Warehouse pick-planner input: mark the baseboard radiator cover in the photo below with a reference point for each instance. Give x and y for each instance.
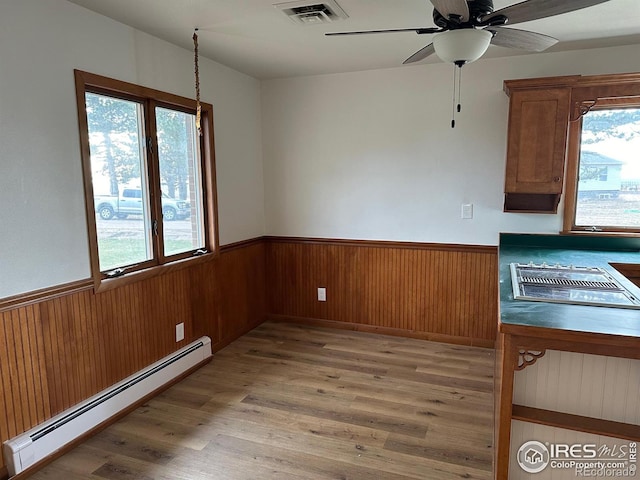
(45, 439)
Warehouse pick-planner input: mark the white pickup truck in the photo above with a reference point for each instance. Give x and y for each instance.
(130, 203)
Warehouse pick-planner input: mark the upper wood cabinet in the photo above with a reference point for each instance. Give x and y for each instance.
(537, 140)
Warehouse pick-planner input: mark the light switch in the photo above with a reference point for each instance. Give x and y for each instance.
(467, 211)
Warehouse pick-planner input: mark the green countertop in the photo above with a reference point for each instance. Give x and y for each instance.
(568, 250)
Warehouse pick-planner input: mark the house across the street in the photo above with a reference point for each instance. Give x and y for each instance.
(599, 176)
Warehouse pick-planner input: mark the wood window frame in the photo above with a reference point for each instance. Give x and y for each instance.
(92, 83)
(592, 93)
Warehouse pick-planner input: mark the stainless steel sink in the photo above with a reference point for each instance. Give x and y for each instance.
(569, 284)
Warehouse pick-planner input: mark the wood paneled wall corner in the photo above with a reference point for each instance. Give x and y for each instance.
(242, 275)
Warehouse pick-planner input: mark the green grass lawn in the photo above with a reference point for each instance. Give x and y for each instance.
(118, 252)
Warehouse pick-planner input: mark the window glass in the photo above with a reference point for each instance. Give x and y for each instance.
(116, 141)
(180, 181)
(608, 189)
(149, 177)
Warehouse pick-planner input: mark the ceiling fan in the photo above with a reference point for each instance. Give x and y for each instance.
(465, 28)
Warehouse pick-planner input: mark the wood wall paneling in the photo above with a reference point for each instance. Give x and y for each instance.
(24, 387)
(447, 291)
(242, 303)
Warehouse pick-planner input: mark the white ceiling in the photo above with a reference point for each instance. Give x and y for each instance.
(254, 37)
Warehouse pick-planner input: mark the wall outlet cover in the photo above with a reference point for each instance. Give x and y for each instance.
(322, 294)
(179, 332)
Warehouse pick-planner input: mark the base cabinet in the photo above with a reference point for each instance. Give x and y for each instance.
(555, 390)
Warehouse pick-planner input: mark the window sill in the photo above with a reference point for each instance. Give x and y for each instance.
(105, 284)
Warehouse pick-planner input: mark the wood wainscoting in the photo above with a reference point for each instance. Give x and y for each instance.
(64, 346)
(61, 349)
(431, 291)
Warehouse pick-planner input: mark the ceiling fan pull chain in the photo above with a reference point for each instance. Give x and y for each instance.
(459, 87)
(457, 91)
(453, 103)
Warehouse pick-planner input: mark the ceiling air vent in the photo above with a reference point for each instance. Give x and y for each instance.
(311, 12)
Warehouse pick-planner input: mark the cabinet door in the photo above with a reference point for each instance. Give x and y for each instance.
(538, 122)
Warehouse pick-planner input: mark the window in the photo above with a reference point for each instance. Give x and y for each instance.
(603, 174)
(603, 164)
(149, 176)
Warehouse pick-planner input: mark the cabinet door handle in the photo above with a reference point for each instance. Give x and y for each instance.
(556, 179)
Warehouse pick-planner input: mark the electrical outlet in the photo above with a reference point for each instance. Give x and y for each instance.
(179, 332)
(467, 211)
(322, 294)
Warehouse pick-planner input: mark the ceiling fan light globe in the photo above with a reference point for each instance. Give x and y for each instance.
(462, 46)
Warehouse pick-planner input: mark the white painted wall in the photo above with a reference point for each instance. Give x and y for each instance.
(365, 155)
(43, 239)
(371, 155)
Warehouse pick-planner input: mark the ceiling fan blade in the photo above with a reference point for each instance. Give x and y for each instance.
(420, 54)
(522, 39)
(535, 9)
(419, 31)
(452, 9)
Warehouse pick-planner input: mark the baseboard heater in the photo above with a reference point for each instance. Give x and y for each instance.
(38, 443)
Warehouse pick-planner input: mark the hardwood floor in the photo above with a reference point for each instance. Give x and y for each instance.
(298, 402)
